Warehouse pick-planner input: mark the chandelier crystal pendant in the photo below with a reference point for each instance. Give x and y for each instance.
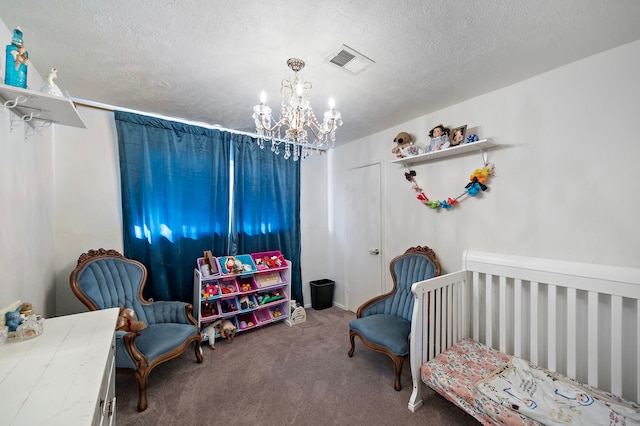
(297, 128)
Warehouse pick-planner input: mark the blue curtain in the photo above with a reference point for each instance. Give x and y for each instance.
(266, 200)
(175, 198)
(187, 189)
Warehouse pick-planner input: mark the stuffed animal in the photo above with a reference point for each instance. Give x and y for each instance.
(224, 327)
(14, 319)
(227, 329)
(127, 321)
(209, 332)
(402, 141)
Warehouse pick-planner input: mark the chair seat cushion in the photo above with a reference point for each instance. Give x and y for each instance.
(154, 341)
(389, 331)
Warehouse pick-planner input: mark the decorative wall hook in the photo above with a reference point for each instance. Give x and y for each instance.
(10, 104)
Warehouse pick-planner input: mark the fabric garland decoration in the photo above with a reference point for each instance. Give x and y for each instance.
(477, 183)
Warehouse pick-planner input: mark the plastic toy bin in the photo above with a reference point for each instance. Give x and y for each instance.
(263, 315)
(322, 294)
(246, 321)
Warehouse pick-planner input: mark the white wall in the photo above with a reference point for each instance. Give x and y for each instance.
(26, 206)
(565, 184)
(88, 208)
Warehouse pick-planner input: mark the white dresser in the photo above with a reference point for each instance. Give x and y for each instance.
(65, 376)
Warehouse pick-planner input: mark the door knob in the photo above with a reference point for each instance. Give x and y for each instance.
(374, 251)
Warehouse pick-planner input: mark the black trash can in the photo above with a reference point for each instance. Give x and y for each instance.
(322, 294)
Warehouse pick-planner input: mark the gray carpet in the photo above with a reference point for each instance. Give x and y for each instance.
(281, 375)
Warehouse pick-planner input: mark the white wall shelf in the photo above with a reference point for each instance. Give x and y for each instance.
(481, 145)
(31, 106)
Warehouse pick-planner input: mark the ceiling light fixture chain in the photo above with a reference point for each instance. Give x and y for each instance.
(297, 120)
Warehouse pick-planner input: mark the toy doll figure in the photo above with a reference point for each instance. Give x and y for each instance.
(439, 138)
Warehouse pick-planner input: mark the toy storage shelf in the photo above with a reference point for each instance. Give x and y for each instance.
(481, 145)
(44, 107)
(251, 298)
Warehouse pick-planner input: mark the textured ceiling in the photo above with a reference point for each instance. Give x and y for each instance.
(207, 60)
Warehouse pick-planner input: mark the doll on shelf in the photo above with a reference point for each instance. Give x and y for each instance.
(439, 138)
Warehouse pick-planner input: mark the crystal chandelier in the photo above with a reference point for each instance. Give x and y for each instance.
(303, 134)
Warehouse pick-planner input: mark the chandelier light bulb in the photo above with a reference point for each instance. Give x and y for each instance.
(297, 128)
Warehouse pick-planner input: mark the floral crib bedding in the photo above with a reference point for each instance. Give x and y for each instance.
(498, 389)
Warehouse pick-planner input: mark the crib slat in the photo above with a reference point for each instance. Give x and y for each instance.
(431, 299)
(638, 351)
(517, 320)
(572, 332)
(488, 305)
(592, 338)
(616, 345)
(455, 312)
(551, 327)
(449, 316)
(533, 334)
(439, 321)
(502, 344)
(475, 314)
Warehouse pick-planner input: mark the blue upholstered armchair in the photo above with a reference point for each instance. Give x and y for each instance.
(383, 323)
(106, 279)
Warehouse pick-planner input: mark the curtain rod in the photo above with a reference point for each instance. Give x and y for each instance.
(111, 108)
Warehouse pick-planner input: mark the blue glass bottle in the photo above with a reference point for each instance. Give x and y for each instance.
(17, 61)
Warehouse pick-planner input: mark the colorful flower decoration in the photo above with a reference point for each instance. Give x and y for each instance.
(472, 138)
(477, 183)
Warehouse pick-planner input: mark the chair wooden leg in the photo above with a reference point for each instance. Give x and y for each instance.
(142, 379)
(198, 351)
(353, 343)
(398, 362)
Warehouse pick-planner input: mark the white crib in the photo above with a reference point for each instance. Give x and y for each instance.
(578, 319)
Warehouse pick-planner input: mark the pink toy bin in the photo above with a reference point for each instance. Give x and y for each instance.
(228, 287)
(262, 266)
(263, 316)
(244, 282)
(246, 321)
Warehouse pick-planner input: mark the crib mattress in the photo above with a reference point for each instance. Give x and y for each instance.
(487, 384)
(454, 373)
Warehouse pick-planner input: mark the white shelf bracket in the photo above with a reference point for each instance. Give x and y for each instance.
(11, 104)
(485, 156)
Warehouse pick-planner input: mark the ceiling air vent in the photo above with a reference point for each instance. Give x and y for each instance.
(348, 59)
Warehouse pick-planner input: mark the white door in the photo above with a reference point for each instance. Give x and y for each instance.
(364, 234)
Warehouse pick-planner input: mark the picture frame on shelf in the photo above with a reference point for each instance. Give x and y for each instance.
(458, 135)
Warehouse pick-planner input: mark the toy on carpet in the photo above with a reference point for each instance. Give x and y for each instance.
(127, 321)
